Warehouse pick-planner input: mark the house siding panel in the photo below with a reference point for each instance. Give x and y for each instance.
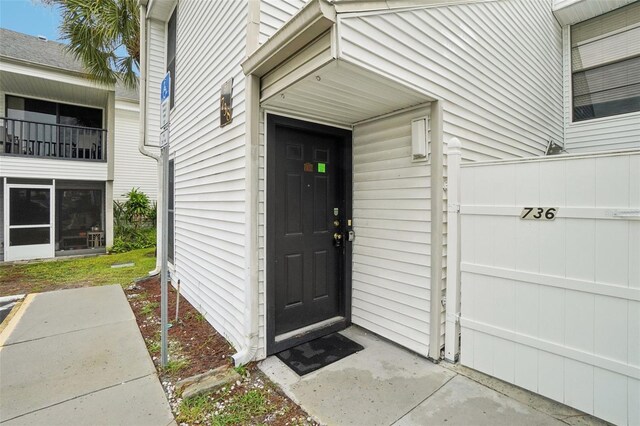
(479, 59)
(476, 59)
(209, 164)
(131, 168)
(274, 13)
(391, 220)
(155, 73)
(44, 168)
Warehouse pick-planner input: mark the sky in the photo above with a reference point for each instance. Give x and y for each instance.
(34, 18)
(30, 17)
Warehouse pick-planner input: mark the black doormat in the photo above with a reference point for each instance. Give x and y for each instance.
(310, 356)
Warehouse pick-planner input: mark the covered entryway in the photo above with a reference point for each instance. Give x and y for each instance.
(397, 185)
(28, 218)
(309, 211)
(386, 134)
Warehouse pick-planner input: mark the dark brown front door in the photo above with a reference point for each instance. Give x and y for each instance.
(307, 214)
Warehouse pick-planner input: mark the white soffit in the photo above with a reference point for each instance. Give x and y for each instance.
(161, 9)
(344, 94)
(52, 89)
(572, 11)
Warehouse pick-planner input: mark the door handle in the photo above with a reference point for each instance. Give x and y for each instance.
(337, 239)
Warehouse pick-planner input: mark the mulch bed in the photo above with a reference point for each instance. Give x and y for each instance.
(198, 348)
(192, 336)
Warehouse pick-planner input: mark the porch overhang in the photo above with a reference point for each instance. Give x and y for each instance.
(42, 82)
(316, 18)
(343, 94)
(301, 72)
(570, 12)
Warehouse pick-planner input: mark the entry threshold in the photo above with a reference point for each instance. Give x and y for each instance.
(308, 329)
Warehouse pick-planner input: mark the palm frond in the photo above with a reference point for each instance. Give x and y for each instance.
(95, 30)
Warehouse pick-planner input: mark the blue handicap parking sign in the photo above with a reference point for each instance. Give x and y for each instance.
(165, 87)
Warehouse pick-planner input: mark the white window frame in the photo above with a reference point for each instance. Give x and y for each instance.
(166, 53)
(568, 78)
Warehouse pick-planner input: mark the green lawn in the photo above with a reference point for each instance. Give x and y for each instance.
(67, 273)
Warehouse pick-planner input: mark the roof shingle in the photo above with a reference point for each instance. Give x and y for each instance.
(24, 47)
(31, 49)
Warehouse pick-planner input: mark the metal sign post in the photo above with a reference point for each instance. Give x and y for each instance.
(165, 94)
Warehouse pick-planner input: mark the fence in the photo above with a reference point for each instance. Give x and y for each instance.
(549, 273)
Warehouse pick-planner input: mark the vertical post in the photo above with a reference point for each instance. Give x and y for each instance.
(164, 252)
(108, 213)
(108, 152)
(452, 326)
(437, 225)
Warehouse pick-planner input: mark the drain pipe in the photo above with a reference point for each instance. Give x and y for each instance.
(143, 127)
(252, 102)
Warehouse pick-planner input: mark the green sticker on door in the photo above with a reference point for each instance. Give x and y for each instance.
(322, 168)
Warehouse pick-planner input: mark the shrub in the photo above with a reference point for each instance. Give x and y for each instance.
(133, 223)
(137, 207)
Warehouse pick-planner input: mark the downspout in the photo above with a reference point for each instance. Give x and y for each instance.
(252, 102)
(143, 126)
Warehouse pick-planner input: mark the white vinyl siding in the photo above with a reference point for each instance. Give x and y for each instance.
(209, 164)
(131, 168)
(155, 74)
(601, 134)
(274, 13)
(479, 59)
(391, 220)
(45, 168)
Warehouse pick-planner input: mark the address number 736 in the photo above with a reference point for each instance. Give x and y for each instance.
(539, 213)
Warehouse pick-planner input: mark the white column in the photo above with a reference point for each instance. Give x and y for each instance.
(108, 213)
(437, 229)
(111, 161)
(452, 327)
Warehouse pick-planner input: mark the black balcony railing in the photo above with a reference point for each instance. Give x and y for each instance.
(44, 140)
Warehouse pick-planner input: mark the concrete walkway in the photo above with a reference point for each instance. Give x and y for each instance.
(76, 357)
(387, 385)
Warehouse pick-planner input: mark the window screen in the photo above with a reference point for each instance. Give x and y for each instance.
(52, 113)
(605, 64)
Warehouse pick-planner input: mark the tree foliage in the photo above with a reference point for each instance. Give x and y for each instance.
(96, 30)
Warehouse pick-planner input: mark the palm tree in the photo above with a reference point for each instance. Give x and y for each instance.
(97, 32)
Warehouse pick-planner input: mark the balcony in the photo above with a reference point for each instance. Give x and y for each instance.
(32, 139)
